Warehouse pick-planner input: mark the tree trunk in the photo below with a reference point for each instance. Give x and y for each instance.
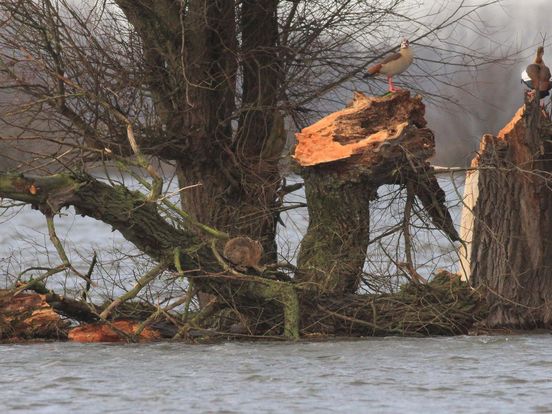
(238, 170)
(334, 248)
(192, 55)
(511, 253)
(346, 156)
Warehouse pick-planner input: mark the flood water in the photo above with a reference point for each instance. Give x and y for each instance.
(385, 375)
(381, 375)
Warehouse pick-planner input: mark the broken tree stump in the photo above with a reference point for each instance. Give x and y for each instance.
(345, 157)
(511, 250)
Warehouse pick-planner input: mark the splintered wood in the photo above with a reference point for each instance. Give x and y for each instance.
(29, 316)
(364, 128)
(117, 331)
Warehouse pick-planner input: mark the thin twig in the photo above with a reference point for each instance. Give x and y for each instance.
(142, 282)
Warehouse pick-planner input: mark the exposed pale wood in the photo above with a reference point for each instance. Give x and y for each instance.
(471, 193)
(371, 128)
(29, 316)
(116, 331)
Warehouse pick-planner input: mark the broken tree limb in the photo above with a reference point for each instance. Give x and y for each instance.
(345, 157)
(126, 211)
(140, 223)
(409, 265)
(29, 316)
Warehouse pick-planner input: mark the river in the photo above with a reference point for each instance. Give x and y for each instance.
(386, 375)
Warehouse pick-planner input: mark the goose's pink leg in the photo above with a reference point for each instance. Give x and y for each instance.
(390, 82)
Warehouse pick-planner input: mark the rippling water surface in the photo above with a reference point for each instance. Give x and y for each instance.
(388, 375)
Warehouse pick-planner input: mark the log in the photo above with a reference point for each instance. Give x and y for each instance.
(32, 316)
(116, 331)
(511, 249)
(345, 157)
(29, 316)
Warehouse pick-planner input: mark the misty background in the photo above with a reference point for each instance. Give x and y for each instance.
(491, 95)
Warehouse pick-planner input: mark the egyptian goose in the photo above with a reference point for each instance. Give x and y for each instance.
(393, 65)
(537, 75)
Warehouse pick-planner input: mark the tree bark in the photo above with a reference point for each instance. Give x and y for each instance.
(333, 250)
(511, 252)
(192, 57)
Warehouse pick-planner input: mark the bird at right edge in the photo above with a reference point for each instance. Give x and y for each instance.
(392, 65)
(537, 75)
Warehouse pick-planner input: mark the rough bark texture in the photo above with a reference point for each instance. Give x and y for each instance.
(511, 254)
(126, 211)
(239, 175)
(346, 156)
(334, 248)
